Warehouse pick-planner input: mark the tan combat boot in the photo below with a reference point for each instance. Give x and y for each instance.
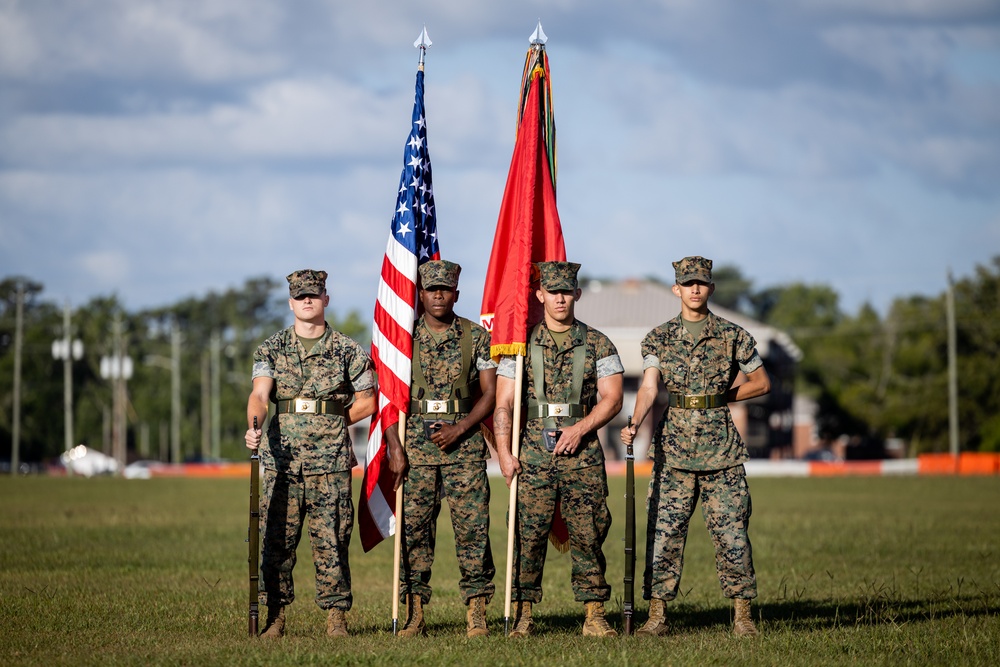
(274, 626)
(523, 625)
(656, 624)
(414, 625)
(594, 623)
(743, 622)
(336, 623)
(475, 618)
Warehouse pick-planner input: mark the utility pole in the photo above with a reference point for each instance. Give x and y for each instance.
(173, 364)
(118, 369)
(952, 369)
(15, 445)
(216, 345)
(175, 392)
(206, 408)
(68, 350)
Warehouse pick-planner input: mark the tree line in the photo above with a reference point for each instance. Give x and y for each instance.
(873, 376)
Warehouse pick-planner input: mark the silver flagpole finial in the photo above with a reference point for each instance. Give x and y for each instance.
(422, 43)
(538, 37)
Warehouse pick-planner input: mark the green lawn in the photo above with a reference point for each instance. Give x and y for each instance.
(851, 571)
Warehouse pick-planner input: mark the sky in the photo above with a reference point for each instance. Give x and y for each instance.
(161, 149)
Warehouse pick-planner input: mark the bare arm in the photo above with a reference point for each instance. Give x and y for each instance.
(364, 406)
(399, 464)
(758, 383)
(503, 427)
(644, 400)
(609, 404)
(260, 396)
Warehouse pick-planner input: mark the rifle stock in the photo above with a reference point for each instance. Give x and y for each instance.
(628, 604)
(253, 537)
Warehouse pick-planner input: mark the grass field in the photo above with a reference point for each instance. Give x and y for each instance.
(874, 571)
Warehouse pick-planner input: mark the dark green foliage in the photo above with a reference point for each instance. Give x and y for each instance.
(238, 319)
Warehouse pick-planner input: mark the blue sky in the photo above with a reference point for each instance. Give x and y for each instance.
(161, 149)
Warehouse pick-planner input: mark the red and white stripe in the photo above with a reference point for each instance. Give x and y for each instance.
(392, 344)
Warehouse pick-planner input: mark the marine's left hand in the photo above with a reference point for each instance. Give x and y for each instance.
(447, 435)
(569, 441)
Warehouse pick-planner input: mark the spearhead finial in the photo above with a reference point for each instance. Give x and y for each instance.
(538, 37)
(422, 43)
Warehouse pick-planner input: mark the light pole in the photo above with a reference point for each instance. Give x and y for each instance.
(15, 445)
(953, 445)
(173, 364)
(68, 350)
(118, 369)
(216, 366)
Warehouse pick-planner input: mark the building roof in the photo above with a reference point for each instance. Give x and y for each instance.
(627, 310)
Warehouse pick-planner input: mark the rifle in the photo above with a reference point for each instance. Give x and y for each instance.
(629, 602)
(253, 537)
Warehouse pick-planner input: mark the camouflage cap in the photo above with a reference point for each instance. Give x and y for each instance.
(439, 273)
(693, 268)
(306, 281)
(556, 276)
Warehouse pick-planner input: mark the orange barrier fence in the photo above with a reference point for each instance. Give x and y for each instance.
(967, 463)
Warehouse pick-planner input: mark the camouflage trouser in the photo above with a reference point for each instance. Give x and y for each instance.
(725, 504)
(582, 494)
(285, 502)
(467, 489)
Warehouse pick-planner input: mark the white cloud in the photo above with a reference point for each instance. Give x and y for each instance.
(19, 49)
(163, 148)
(105, 269)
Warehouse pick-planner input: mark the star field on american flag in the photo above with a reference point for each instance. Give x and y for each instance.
(414, 224)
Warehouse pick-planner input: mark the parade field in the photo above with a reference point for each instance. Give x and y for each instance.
(851, 570)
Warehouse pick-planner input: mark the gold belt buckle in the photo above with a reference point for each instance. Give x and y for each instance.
(696, 401)
(437, 407)
(556, 409)
(306, 405)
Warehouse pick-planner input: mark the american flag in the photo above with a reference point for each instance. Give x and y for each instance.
(412, 241)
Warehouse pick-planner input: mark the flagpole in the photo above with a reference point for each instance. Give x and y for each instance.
(398, 539)
(423, 41)
(515, 449)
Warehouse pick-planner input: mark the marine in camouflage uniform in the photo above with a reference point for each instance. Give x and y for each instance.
(565, 356)
(697, 451)
(453, 389)
(320, 382)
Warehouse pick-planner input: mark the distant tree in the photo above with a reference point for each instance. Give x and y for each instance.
(732, 289)
(977, 305)
(41, 389)
(237, 320)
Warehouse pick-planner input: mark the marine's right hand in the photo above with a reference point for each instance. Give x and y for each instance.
(510, 467)
(628, 434)
(253, 438)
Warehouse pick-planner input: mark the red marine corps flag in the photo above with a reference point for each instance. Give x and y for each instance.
(528, 231)
(412, 241)
(528, 228)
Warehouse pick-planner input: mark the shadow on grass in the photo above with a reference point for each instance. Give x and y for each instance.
(800, 614)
